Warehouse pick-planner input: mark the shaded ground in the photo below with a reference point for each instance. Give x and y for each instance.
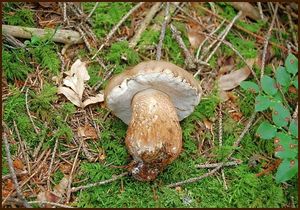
(42, 126)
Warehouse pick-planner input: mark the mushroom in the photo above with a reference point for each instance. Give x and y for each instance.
(152, 98)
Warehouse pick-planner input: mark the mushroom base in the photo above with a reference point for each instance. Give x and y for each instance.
(154, 136)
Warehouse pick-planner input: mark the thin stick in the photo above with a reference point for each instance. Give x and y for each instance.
(226, 31)
(75, 189)
(50, 203)
(206, 38)
(149, 17)
(22, 147)
(221, 141)
(235, 145)
(292, 26)
(245, 30)
(115, 28)
(188, 56)
(267, 37)
(71, 174)
(27, 109)
(214, 165)
(51, 164)
(93, 10)
(260, 11)
(163, 31)
(13, 173)
(8, 176)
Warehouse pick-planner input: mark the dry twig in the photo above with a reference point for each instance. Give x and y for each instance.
(235, 145)
(214, 165)
(153, 10)
(163, 31)
(13, 173)
(115, 28)
(267, 37)
(51, 164)
(75, 189)
(188, 56)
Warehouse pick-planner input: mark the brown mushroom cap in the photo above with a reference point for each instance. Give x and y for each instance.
(183, 90)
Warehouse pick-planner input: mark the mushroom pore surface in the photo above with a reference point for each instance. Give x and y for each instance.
(154, 136)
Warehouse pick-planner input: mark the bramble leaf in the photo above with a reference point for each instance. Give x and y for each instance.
(266, 130)
(268, 85)
(293, 128)
(262, 102)
(286, 170)
(286, 147)
(250, 86)
(291, 64)
(280, 115)
(282, 76)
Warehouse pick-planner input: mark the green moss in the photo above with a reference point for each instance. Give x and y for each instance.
(94, 72)
(246, 102)
(107, 15)
(121, 53)
(15, 64)
(18, 17)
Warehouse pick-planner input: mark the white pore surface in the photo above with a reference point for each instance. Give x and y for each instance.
(182, 94)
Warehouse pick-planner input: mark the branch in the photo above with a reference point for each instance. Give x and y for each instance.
(214, 165)
(149, 17)
(13, 173)
(75, 189)
(62, 36)
(163, 31)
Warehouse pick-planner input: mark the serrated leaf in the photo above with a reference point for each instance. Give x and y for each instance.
(266, 130)
(293, 128)
(286, 170)
(282, 76)
(250, 86)
(291, 64)
(262, 103)
(280, 115)
(295, 83)
(268, 85)
(286, 147)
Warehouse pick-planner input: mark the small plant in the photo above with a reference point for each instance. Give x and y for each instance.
(283, 129)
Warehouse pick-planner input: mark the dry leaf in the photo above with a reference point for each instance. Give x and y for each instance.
(60, 189)
(87, 131)
(236, 116)
(92, 100)
(75, 85)
(233, 79)
(247, 9)
(208, 124)
(194, 36)
(18, 164)
(48, 197)
(225, 69)
(65, 168)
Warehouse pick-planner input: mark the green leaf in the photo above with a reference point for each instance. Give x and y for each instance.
(286, 170)
(293, 128)
(282, 77)
(295, 83)
(250, 86)
(266, 130)
(268, 85)
(286, 147)
(280, 115)
(262, 102)
(291, 64)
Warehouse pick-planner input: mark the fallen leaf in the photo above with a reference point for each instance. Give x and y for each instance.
(293, 90)
(74, 82)
(87, 132)
(61, 187)
(48, 197)
(208, 124)
(47, 4)
(247, 9)
(233, 79)
(236, 116)
(93, 99)
(225, 69)
(223, 95)
(18, 164)
(65, 168)
(194, 36)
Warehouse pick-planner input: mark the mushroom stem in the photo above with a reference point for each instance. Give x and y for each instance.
(154, 136)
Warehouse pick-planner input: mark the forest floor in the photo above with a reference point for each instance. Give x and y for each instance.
(58, 150)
